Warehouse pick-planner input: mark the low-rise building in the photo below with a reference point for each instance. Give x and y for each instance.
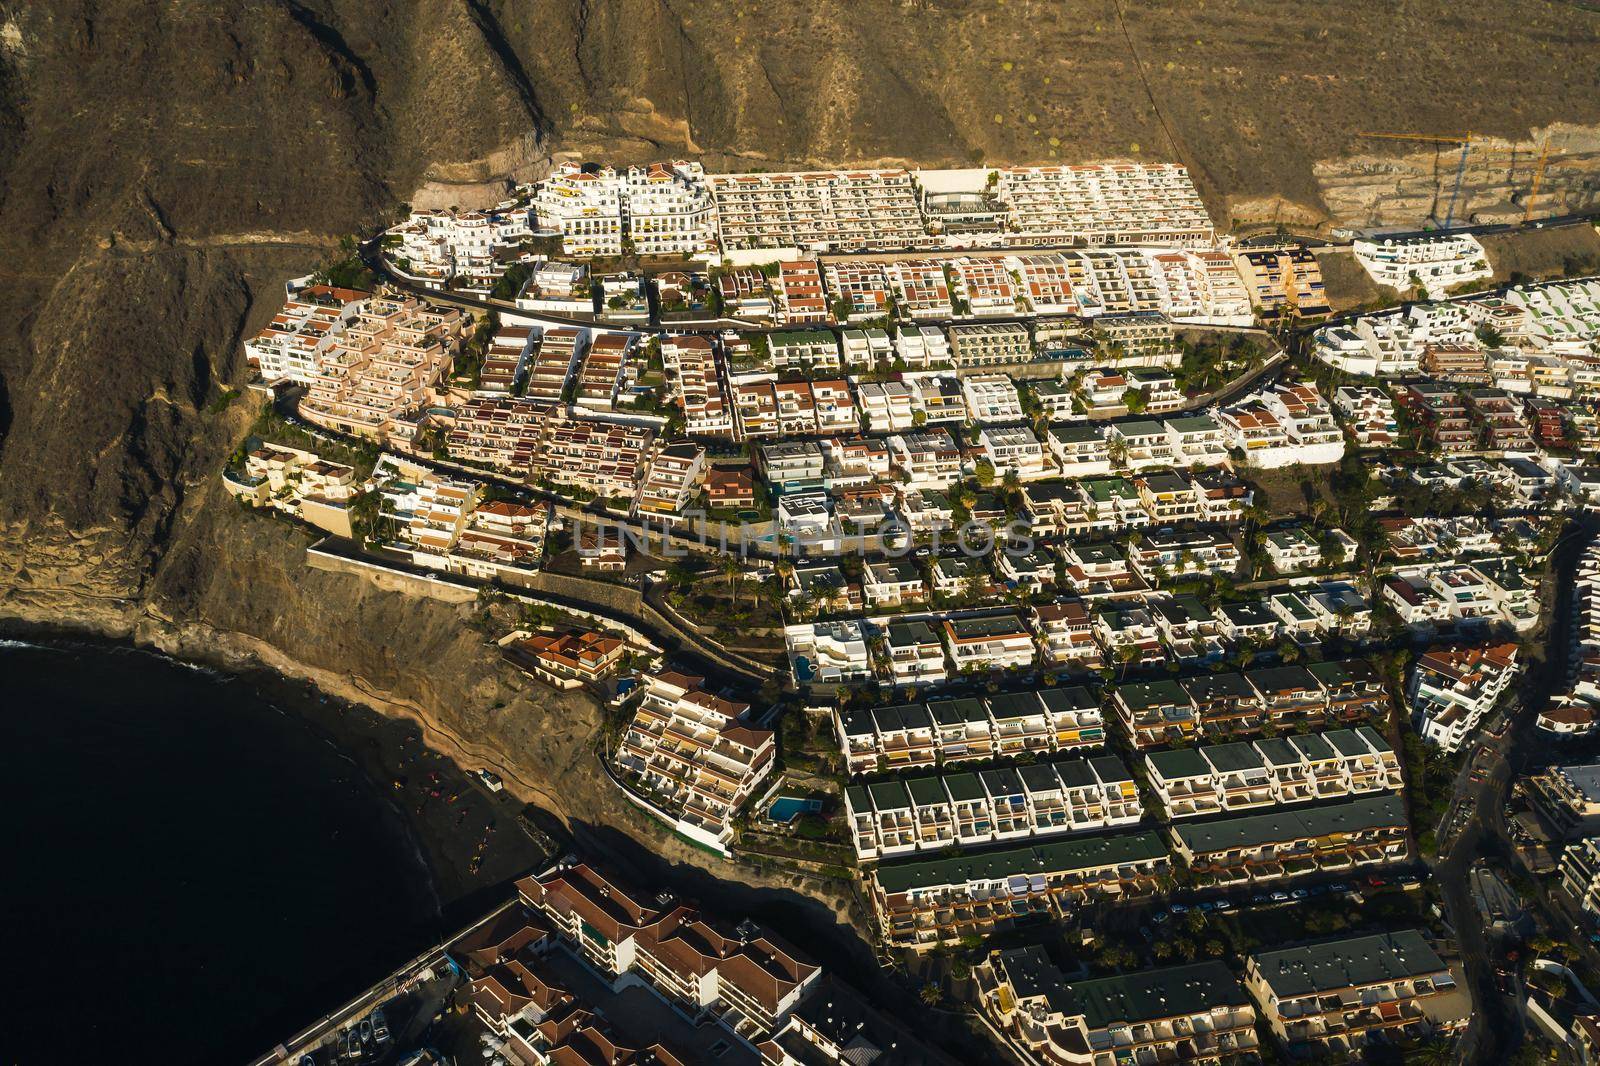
(1294, 842)
(1013, 724)
(828, 653)
(923, 903)
(915, 653)
(1197, 1013)
(1567, 800)
(1451, 690)
(1337, 997)
(997, 641)
(901, 815)
(1218, 778)
(693, 755)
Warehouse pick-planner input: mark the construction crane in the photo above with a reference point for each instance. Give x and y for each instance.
(1538, 176)
(1466, 142)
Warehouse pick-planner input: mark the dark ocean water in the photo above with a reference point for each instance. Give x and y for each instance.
(191, 874)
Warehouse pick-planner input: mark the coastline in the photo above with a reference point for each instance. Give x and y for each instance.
(445, 814)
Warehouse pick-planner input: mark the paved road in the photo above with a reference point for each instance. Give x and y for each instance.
(1498, 1022)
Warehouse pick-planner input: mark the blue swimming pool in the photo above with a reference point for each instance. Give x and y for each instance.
(803, 672)
(786, 809)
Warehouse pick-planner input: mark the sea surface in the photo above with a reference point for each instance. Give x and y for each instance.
(191, 873)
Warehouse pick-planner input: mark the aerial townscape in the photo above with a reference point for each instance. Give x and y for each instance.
(1131, 648)
(856, 533)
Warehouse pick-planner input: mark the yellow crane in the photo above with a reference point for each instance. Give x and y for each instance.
(1465, 140)
(1538, 177)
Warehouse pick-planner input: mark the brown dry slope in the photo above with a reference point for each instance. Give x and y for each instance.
(164, 166)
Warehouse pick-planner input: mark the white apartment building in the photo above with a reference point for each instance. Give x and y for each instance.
(1105, 204)
(293, 345)
(1013, 724)
(1331, 999)
(915, 653)
(903, 815)
(1436, 261)
(1451, 690)
(998, 641)
(992, 398)
(1197, 1013)
(920, 347)
(1014, 450)
(1238, 776)
(471, 248)
(921, 288)
(990, 344)
(584, 205)
(693, 754)
(828, 211)
(828, 653)
(1368, 413)
(1079, 451)
(886, 406)
(929, 458)
(982, 287)
(672, 481)
(668, 210)
(1197, 441)
(865, 349)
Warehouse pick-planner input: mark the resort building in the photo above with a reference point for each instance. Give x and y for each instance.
(693, 755)
(923, 903)
(740, 975)
(905, 814)
(821, 211)
(1339, 997)
(391, 359)
(1197, 1013)
(292, 346)
(1437, 262)
(1227, 778)
(1294, 841)
(1104, 204)
(1451, 690)
(1013, 724)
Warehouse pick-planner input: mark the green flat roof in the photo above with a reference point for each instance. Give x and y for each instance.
(1065, 856)
(1270, 679)
(890, 795)
(1179, 762)
(1149, 995)
(927, 790)
(1278, 751)
(1253, 830)
(1345, 742)
(955, 712)
(964, 787)
(1015, 705)
(1312, 746)
(1070, 698)
(1205, 688)
(1340, 964)
(1143, 694)
(1110, 769)
(1230, 758)
(1344, 672)
(1374, 738)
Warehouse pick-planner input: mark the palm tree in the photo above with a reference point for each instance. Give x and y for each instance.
(731, 570)
(1435, 1052)
(931, 995)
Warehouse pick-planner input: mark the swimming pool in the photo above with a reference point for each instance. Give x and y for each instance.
(786, 809)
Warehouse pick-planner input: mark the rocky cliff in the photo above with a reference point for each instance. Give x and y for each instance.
(165, 166)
